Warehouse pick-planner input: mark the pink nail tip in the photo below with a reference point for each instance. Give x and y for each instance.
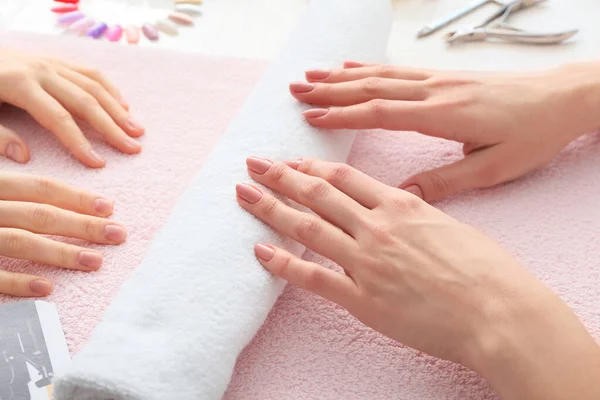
(114, 33)
(150, 31)
(70, 17)
(133, 34)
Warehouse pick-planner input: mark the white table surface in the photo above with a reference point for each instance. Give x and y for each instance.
(257, 29)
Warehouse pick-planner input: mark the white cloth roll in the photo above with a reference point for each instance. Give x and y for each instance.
(177, 326)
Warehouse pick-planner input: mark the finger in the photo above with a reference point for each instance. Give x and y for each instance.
(480, 169)
(97, 76)
(308, 229)
(312, 192)
(52, 115)
(22, 285)
(85, 106)
(359, 91)
(380, 71)
(12, 146)
(365, 190)
(323, 282)
(16, 243)
(106, 101)
(35, 189)
(384, 114)
(50, 220)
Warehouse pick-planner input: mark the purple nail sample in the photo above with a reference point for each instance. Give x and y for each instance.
(150, 31)
(97, 30)
(69, 18)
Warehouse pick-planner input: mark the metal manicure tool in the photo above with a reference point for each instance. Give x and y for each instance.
(495, 27)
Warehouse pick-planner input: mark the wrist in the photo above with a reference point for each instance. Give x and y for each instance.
(536, 348)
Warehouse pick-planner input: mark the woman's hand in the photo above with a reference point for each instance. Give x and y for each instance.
(510, 124)
(54, 92)
(30, 206)
(422, 278)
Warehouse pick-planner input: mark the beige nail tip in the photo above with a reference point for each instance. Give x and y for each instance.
(167, 27)
(193, 2)
(181, 18)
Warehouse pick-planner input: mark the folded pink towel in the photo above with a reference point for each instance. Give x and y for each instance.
(308, 348)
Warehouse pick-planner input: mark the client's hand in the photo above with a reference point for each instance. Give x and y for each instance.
(53, 92)
(510, 123)
(423, 278)
(30, 206)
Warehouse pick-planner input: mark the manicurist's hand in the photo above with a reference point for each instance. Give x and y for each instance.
(424, 279)
(510, 123)
(31, 206)
(55, 92)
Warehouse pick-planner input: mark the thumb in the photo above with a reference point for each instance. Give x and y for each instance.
(12, 146)
(477, 170)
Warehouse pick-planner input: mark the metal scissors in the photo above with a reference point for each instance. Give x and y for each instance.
(495, 27)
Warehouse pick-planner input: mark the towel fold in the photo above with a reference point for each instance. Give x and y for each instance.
(175, 330)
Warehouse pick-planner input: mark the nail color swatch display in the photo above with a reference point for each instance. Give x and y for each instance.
(74, 20)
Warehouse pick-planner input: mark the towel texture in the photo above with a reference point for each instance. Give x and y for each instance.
(178, 325)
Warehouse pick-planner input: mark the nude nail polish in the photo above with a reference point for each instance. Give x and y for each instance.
(132, 144)
(318, 74)
(134, 125)
(90, 260)
(258, 165)
(264, 251)
(41, 287)
(103, 206)
(294, 164)
(115, 233)
(414, 189)
(302, 87)
(315, 112)
(14, 152)
(95, 156)
(248, 193)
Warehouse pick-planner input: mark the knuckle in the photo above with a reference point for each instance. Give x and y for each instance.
(338, 174)
(283, 265)
(381, 232)
(316, 189)
(14, 242)
(315, 279)
(59, 118)
(379, 108)
(277, 172)
(490, 174)
(270, 207)
(83, 200)
(93, 87)
(439, 185)
(87, 102)
(405, 203)
(43, 218)
(306, 166)
(386, 71)
(91, 229)
(43, 187)
(308, 228)
(64, 257)
(371, 85)
(12, 285)
(42, 67)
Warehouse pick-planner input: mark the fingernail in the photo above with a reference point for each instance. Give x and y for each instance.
(14, 152)
(104, 206)
(352, 64)
(90, 259)
(249, 193)
(115, 233)
(264, 251)
(95, 156)
(41, 287)
(294, 164)
(414, 189)
(133, 124)
(315, 112)
(302, 87)
(124, 103)
(258, 165)
(318, 74)
(132, 143)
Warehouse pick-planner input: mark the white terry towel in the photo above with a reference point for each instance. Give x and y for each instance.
(177, 326)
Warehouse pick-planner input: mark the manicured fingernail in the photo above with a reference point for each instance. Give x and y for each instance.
(414, 189)
(90, 259)
(133, 124)
(132, 143)
(352, 64)
(318, 74)
(124, 103)
(302, 87)
(258, 165)
(315, 112)
(115, 233)
(264, 251)
(294, 164)
(41, 287)
(249, 193)
(15, 152)
(95, 156)
(104, 206)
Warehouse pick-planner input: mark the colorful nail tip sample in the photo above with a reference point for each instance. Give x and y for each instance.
(114, 33)
(97, 30)
(82, 25)
(192, 2)
(68, 1)
(132, 33)
(181, 18)
(150, 31)
(70, 17)
(65, 8)
(167, 27)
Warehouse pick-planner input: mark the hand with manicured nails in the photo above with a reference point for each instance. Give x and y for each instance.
(510, 123)
(422, 278)
(53, 92)
(33, 206)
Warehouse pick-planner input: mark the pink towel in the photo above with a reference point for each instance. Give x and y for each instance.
(308, 348)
